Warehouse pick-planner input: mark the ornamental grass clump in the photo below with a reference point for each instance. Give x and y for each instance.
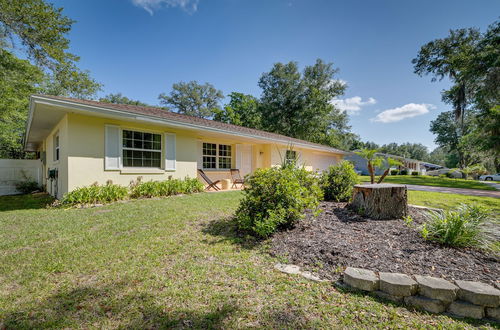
(338, 181)
(96, 194)
(463, 227)
(276, 198)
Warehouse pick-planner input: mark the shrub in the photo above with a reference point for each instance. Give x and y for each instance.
(165, 188)
(415, 173)
(461, 227)
(394, 172)
(96, 194)
(276, 198)
(403, 172)
(449, 175)
(27, 186)
(337, 182)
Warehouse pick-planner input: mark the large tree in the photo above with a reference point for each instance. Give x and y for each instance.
(299, 104)
(18, 80)
(242, 110)
(193, 99)
(119, 98)
(471, 61)
(41, 29)
(36, 30)
(449, 58)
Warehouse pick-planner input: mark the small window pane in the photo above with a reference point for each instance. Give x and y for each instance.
(138, 144)
(225, 150)
(224, 162)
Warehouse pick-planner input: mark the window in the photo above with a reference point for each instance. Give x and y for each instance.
(56, 147)
(291, 156)
(141, 149)
(216, 156)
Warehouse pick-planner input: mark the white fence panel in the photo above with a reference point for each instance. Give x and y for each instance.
(15, 170)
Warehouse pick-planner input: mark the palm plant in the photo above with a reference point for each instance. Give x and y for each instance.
(390, 163)
(372, 160)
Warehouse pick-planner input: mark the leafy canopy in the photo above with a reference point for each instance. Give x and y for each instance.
(119, 98)
(300, 104)
(242, 110)
(193, 99)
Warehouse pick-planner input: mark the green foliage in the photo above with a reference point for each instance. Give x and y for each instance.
(41, 30)
(242, 110)
(394, 172)
(408, 220)
(27, 186)
(276, 198)
(300, 104)
(337, 182)
(119, 98)
(415, 173)
(18, 80)
(471, 60)
(403, 172)
(461, 227)
(193, 99)
(372, 161)
(408, 150)
(95, 194)
(165, 188)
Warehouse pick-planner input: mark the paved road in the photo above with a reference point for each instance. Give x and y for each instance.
(460, 191)
(494, 184)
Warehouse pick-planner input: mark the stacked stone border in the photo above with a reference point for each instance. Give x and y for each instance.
(436, 295)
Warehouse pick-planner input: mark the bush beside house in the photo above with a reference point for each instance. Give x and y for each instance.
(337, 182)
(276, 198)
(101, 194)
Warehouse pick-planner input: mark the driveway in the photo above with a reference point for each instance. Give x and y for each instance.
(460, 191)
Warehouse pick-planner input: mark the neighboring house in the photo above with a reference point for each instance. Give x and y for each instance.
(361, 165)
(81, 142)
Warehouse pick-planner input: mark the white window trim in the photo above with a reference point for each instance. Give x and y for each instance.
(217, 168)
(136, 169)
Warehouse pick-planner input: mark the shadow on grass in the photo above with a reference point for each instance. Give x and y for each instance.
(112, 307)
(25, 202)
(227, 231)
(344, 289)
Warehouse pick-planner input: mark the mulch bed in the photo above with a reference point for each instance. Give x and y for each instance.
(338, 238)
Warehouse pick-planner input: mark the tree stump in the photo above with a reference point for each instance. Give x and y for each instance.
(380, 201)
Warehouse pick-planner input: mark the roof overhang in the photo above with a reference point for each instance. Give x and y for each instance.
(46, 112)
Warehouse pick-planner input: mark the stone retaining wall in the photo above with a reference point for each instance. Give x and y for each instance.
(436, 295)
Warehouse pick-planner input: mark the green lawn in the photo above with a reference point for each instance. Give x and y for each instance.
(447, 201)
(173, 262)
(425, 180)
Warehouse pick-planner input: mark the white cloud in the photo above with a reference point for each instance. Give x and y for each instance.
(353, 104)
(189, 6)
(409, 110)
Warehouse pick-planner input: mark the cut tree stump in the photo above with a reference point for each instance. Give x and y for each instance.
(380, 201)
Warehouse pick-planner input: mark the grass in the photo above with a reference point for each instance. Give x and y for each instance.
(448, 201)
(425, 180)
(161, 263)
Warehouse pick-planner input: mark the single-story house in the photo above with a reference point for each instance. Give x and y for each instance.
(81, 142)
(361, 165)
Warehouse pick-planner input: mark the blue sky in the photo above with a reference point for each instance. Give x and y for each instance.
(141, 47)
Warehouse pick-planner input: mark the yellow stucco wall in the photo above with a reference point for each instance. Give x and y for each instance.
(312, 160)
(82, 143)
(59, 187)
(86, 153)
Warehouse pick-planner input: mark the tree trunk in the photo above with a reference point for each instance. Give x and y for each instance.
(380, 201)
